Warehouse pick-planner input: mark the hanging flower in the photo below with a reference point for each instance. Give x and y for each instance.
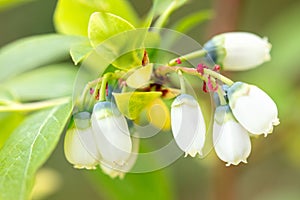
(79, 146)
(231, 140)
(111, 133)
(238, 51)
(188, 125)
(120, 171)
(253, 108)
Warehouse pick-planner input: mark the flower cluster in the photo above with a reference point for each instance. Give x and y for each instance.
(248, 111)
(101, 138)
(101, 135)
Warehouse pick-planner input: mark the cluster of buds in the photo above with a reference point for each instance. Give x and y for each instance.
(101, 135)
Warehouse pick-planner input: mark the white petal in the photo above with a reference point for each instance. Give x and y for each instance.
(238, 51)
(245, 51)
(253, 108)
(231, 141)
(112, 137)
(188, 126)
(119, 171)
(81, 152)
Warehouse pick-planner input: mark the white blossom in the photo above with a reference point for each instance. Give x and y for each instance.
(111, 133)
(188, 125)
(253, 108)
(79, 145)
(231, 140)
(119, 171)
(238, 51)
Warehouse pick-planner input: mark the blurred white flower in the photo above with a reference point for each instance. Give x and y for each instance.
(238, 51)
(111, 133)
(253, 108)
(231, 140)
(79, 145)
(188, 125)
(120, 171)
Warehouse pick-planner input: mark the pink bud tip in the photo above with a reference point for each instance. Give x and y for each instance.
(91, 91)
(217, 68)
(178, 61)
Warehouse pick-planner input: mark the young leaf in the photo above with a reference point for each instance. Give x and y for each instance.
(72, 16)
(140, 77)
(113, 38)
(32, 52)
(28, 148)
(131, 104)
(105, 25)
(48, 82)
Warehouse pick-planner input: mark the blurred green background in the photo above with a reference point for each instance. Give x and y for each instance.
(273, 171)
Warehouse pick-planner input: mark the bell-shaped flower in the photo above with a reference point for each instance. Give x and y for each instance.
(253, 108)
(111, 133)
(188, 125)
(231, 140)
(120, 171)
(79, 145)
(238, 51)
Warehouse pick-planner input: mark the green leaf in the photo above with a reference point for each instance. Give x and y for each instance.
(48, 82)
(72, 16)
(140, 77)
(8, 122)
(33, 106)
(114, 39)
(187, 23)
(28, 148)
(164, 9)
(105, 25)
(80, 51)
(6, 96)
(146, 186)
(132, 103)
(161, 6)
(29, 53)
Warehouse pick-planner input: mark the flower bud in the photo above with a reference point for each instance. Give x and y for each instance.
(79, 146)
(253, 108)
(188, 125)
(231, 140)
(111, 133)
(238, 51)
